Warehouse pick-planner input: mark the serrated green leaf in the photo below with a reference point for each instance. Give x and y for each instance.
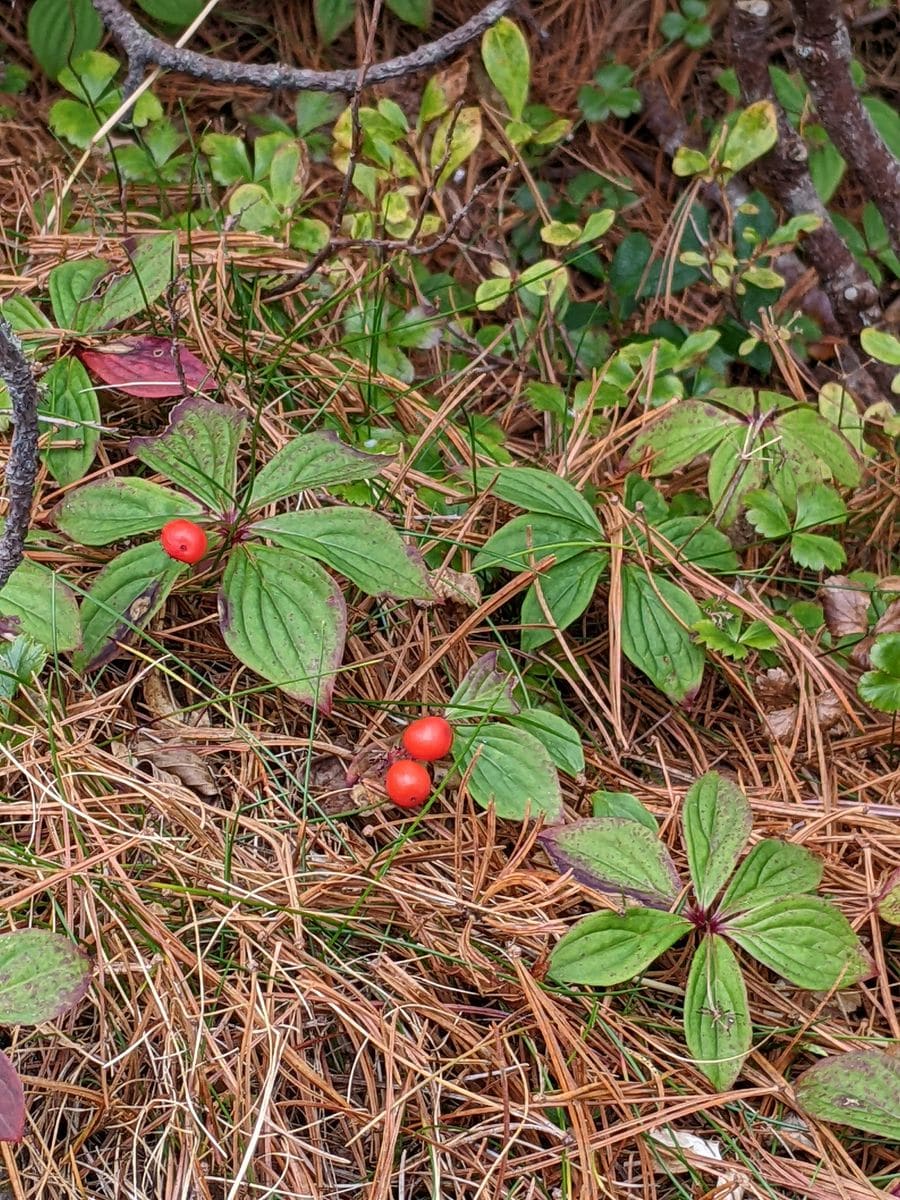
(608, 948)
(123, 598)
(313, 460)
(540, 492)
(880, 687)
(817, 552)
(315, 109)
(805, 939)
(60, 30)
(73, 121)
(42, 974)
(860, 1089)
(43, 605)
(717, 1024)
(818, 505)
(767, 514)
(807, 449)
(717, 820)
(359, 544)
(772, 870)
(67, 393)
(657, 616)
(618, 856)
(285, 618)
(111, 510)
(557, 736)
(253, 207)
(623, 804)
(228, 158)
(510, 769)
(507, 61)
(567, 590)
(686, 431)
(198, 451)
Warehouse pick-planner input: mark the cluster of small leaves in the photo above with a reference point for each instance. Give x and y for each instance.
(281, 614)
(510, 753)
(689, 23)
(766, 907)
(42, 974)
(611, 94)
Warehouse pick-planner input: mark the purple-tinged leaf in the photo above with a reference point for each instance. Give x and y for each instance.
(616, 856)
(889, 899)
(12, 1102)
(483, 690)
(861, 1089)
(41, 975)
(152, 367)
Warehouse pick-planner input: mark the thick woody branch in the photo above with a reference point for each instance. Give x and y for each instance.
(21, 466)
(824, 54)
(142, 49)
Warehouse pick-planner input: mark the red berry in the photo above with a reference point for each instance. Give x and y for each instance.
(428, 739)
(408, 783)
(183, 540)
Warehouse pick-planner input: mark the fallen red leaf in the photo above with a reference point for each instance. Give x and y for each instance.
(148, 367)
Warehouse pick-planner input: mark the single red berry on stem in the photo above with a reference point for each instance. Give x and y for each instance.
(428, 739)
(183, 540)
(407, 783)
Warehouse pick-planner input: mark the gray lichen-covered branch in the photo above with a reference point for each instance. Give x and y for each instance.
(21, 466)
(142, 49)
(824, 54)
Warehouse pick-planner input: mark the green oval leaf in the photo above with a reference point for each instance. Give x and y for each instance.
(861, 1089)
(41, 975)
(656, 619)
(359, 544)
(676, 438)
(717, 1024)
(623, 804)
(332, 18)
(567, 590)
(805, 939)
(284, 617)
(540, 491)
(753, 134)
(617, 856)
(72, 286)
(463, 130)
(557, 736)
(313, 460)
(68, 395)
(717, 820)
(60, 30)
(510, 769)
(198, 451)
(483, 691)
(149, 273)
(607, 948)
(253, 207)
(507, 61)
(43, 605)
(127, 593)
(772, 870)
(532, 537)
(113, 509)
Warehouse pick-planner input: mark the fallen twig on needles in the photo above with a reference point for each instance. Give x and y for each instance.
(142, 49)
(21, 466)
(824, 54)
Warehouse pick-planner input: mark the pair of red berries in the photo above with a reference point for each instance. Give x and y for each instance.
(183, 540)
(408, 782)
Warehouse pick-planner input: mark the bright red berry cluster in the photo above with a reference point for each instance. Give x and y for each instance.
(183, 540)
(408, 783)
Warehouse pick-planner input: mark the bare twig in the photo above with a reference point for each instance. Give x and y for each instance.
(143, 49)
(824, 54)
(21, 466)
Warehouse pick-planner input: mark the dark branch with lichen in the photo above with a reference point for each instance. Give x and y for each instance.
(21, 466)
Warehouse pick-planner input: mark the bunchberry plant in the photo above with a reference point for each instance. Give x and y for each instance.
(610, 95)
(42, 974)
(765, 907)
(280, 613)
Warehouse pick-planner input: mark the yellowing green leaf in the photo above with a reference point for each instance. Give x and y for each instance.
(507, 61)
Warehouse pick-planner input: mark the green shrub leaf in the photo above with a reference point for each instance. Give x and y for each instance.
(772, 870)
(617, 856)
(716, 1017)
(313, 460)
(860, 1089)
(68, 394)
(285, 618)
(805, 939)
(656, 620)
(198, 451)
(510, 769)
(356, 542)
(507, 61)
(607, 948)
(717, 821)
(111, 510)
(42, 974)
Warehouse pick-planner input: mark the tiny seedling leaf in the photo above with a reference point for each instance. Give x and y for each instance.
(860, 1089)
(608, 948)
(717, 820)
(617, 856)
(510, 769)
(42, 974)
(771, 871)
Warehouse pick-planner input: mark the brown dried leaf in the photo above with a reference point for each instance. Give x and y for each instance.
(782, 722)
(176, 763)
(890, 620)
(774, 685)
(846, 606)
(165, 709)
(456, 586)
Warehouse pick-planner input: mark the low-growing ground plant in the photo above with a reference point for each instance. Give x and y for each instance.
(768, 909)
